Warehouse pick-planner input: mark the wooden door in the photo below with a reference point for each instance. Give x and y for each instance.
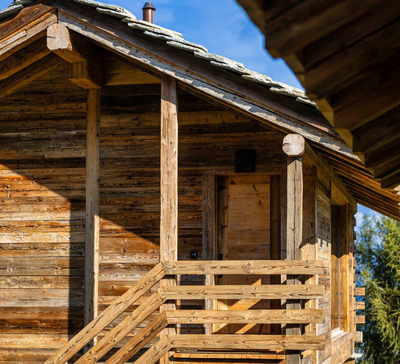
(243, 216)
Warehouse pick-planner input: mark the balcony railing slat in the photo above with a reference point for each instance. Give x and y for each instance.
(270, 267)
(237, 292)
(249, 342)
(245, 317)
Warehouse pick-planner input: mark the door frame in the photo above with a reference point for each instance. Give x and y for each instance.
(210, 228)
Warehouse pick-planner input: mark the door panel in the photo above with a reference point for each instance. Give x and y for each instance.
(243, 215)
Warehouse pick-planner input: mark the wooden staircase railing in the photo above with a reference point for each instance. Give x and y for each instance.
(211, 342)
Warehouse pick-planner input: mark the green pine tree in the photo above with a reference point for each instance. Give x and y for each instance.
(378, 257)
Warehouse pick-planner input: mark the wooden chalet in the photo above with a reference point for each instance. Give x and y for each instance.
(159, 202)
(346, 55)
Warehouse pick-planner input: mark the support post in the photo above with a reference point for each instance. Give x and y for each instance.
(294, 147)
(169, 186)
(92, 205)
(209, 227)
(275, 239)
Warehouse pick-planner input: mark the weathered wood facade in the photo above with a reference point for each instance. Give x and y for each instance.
(151, 199)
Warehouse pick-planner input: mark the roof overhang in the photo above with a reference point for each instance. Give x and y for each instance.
(346, 55)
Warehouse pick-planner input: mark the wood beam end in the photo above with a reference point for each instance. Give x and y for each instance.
(85, 76)
(294, 145)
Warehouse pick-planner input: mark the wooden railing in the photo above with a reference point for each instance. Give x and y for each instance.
(210, 342)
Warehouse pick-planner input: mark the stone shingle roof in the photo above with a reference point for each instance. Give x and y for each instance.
(176, 40)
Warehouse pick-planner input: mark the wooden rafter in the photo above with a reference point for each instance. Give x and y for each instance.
(29, 74)
(23, 58)
(345, 53)
(26, 34)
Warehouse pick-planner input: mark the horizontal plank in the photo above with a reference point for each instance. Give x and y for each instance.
(245, 317)
(26, 266)
(66, 298)
(360, 291)
(41, 341)
(248, 342)
(238, 292)
(245, 267)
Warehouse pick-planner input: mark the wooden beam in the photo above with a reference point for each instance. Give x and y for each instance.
(257, 267)
(92, 234)
(85, 75)
(245, 317)
(369, 98)
(29, 74)
(294, 147)
(119, 72)
(26, 34)
(23, 58)
(391, 181)
(377, 133)
(383, 156)
(169, 186)
(353, 32)
(387, 169)
(309, 21)
(248, 342)
(342, 69)
(85, 60)
(108, 315)
(209, 234)
(237, 292)
(156, 352)
(25, 16)
(73, 47)
(169, 170)
(275, 240)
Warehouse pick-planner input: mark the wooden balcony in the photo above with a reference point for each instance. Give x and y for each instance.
(209, 342)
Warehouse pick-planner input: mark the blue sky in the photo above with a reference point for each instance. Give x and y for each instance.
(223, 27)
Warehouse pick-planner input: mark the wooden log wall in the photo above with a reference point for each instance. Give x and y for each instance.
(42, 218)
(42, 193)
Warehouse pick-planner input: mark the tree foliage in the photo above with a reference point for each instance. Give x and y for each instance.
(378, 257)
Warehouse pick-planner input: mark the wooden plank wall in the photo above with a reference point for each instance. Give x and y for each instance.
(42, 218)
(42, 194)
